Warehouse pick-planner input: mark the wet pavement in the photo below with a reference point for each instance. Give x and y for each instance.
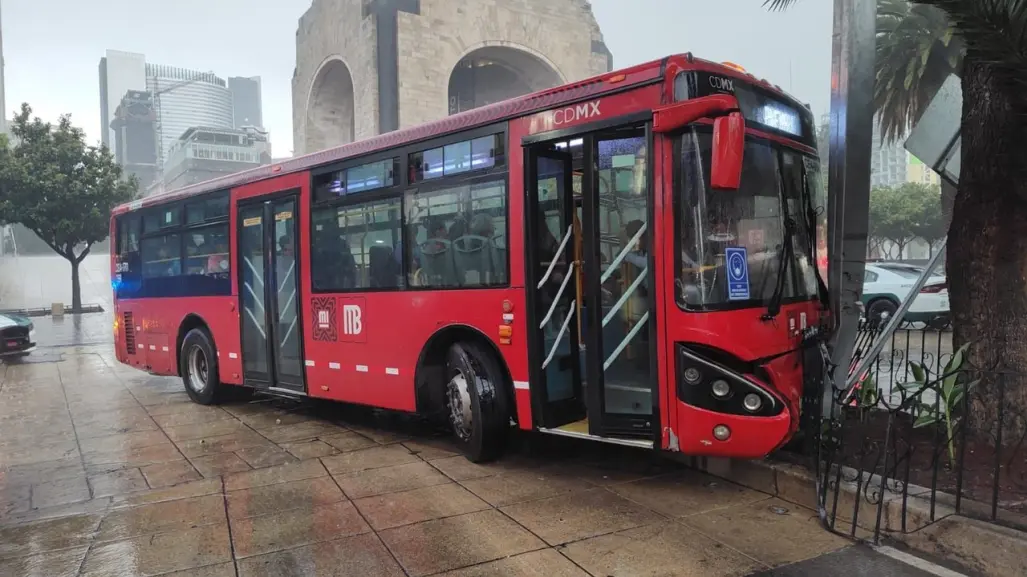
(105, 470)
(109, 471)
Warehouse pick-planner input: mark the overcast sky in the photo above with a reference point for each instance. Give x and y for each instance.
(52, 48)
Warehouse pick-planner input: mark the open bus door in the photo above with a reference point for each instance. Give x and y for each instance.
(590, 285)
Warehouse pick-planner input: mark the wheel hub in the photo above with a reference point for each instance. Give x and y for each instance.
(460, 406)
(198, 370)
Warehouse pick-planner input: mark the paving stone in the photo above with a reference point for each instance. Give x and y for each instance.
(545, 563)
(566, 518)
(455, 542)
(390, 479)
(687, 493)
(60, 492)
(668, 548)
(309, 469)
(435, 502)
(267, 499)
(161, 517)
(265, 456)
(309, 449)
(758, 528)
(219, 464)
(373, 458)
(358, 556)
(162, 553)
(55, 564)
(118, 483)
(296, 527)
(169, 474)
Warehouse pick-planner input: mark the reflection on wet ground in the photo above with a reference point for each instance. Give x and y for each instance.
(105, 470)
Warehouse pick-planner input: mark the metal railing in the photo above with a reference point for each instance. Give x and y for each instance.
(922, 434)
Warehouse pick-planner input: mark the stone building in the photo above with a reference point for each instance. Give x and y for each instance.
(364, 67)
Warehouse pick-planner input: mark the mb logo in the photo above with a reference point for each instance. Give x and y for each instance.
(323, 319)
(351, 324)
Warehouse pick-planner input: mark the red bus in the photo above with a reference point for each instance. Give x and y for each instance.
(629, 258)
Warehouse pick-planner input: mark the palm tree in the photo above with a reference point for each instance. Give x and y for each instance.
(987, 248)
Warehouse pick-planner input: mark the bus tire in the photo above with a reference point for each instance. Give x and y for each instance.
(199, 367)
(476, 402)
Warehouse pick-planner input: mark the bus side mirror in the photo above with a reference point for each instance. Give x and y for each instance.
(728, 151)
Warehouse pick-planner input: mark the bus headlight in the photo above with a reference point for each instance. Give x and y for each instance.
(721, 432)
(752, 402)
(692, 376)
(726, 385)
(721, 389)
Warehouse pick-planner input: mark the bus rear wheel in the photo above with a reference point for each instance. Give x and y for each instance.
(199, 367)
(476, 402)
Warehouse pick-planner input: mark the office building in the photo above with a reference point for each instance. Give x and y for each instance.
(119, 73)
(246, 101)
(135, 136)
(888, 160)
(203, 153)
(185, 99)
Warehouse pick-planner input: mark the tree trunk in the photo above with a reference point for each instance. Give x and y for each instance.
(948, 199)
(987, 251)
(76, 287)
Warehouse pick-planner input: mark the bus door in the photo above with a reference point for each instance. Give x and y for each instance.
(553, 278)
(269, 294)
(592, 345)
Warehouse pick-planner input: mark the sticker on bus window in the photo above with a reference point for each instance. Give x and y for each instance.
(283, 215)
(737, 273)
(251, 221)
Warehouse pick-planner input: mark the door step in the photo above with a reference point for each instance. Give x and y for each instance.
(579, 430)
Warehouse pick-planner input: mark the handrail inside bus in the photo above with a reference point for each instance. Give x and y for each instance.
(624, 297)
(559, 293)
(623, 253)
(559, 251)
(559, 336)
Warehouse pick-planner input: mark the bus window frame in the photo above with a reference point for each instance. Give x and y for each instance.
(432, 186)
(181, 228)
(402, 185)
(351, 200)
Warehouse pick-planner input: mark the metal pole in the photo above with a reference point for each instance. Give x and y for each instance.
(893, 323)
(852, 117)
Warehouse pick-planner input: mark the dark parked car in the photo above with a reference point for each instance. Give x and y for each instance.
(17, 335)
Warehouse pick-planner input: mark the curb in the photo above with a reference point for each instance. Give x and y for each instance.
(980, 546)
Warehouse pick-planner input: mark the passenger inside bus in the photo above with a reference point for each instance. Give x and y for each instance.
(217, 262)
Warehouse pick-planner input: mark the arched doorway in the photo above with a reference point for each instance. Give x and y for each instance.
(330, 108)
(496, 73)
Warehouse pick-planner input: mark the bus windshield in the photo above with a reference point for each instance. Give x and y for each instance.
(748, 247)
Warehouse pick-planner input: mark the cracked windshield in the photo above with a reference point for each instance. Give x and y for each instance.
(512, 288)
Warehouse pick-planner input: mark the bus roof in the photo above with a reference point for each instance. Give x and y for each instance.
(498, 112)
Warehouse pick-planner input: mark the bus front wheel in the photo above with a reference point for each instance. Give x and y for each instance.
(199, 367)
(476, 402)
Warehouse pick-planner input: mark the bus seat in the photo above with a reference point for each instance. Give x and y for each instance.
(437, 263)
(383, 271)
(499, 262)
(472, 260)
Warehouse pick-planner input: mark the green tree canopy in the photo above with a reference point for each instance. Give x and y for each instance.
(59, 187)
(901, 213)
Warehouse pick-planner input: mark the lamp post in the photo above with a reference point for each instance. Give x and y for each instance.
(852, 118)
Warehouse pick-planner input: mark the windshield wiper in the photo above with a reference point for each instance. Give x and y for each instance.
(787, 256)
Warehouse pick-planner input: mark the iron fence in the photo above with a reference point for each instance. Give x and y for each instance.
(921, 434)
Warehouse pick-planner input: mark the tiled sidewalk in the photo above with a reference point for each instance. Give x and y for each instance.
(107, 471)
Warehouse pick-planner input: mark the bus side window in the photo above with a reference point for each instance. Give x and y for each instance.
(460, 234)
(357, 246)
